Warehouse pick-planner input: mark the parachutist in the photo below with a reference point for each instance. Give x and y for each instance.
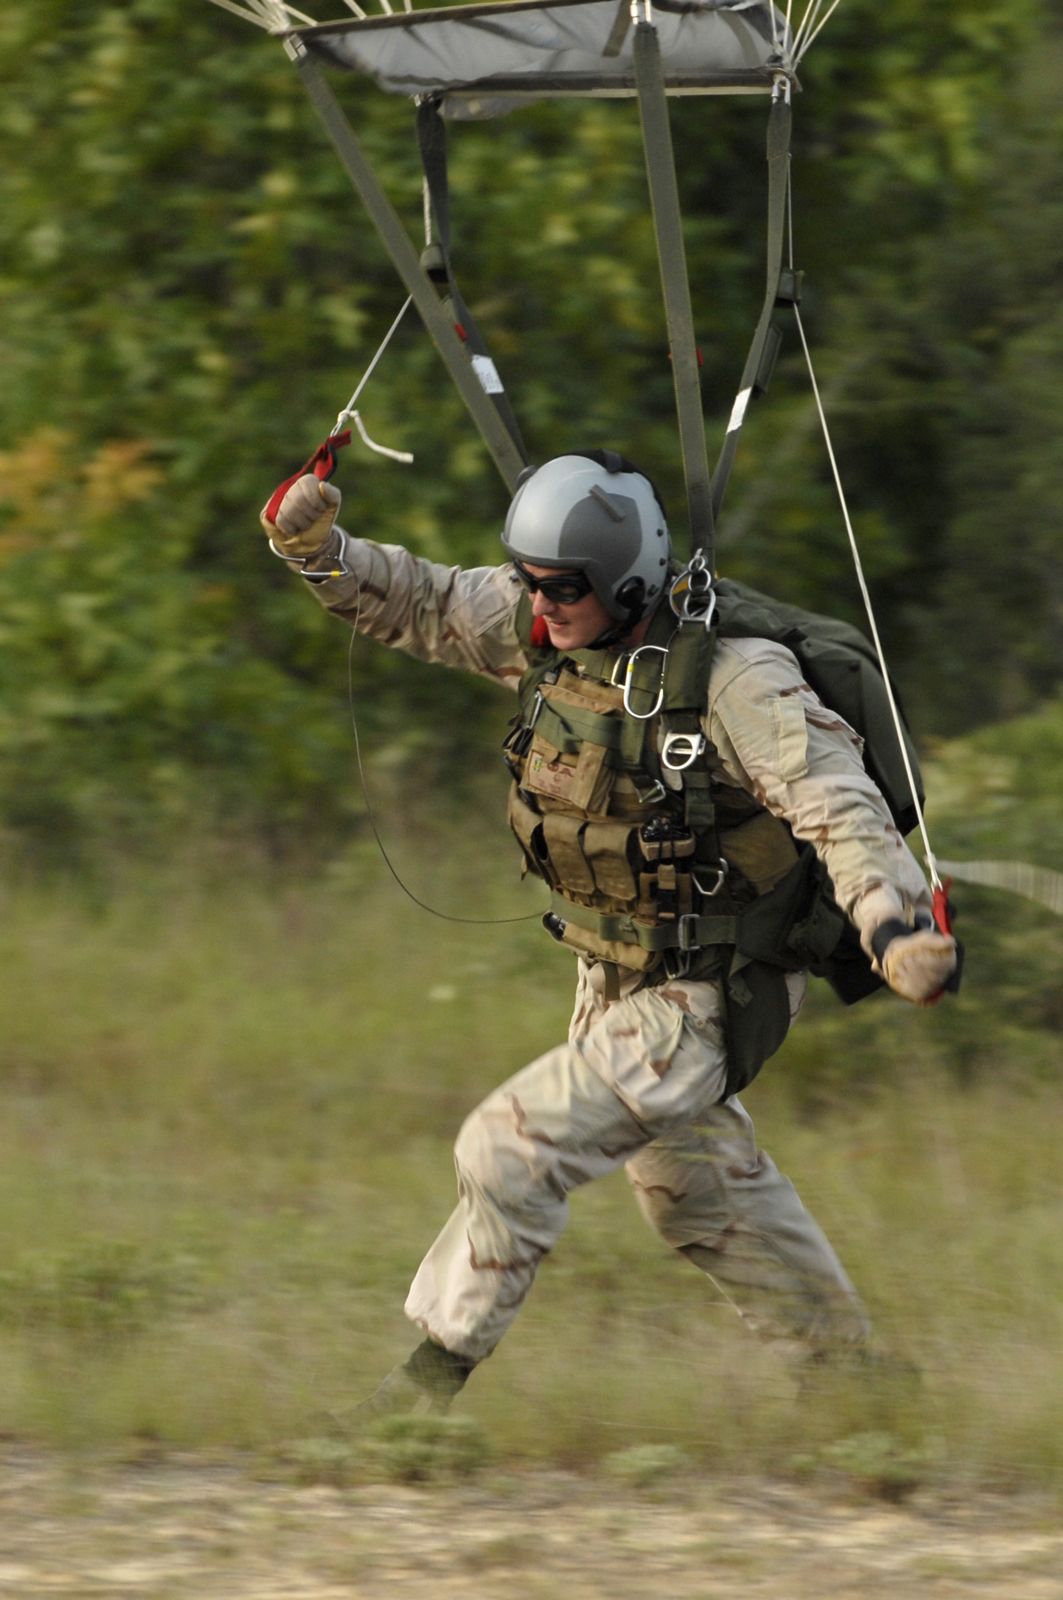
(694, 893)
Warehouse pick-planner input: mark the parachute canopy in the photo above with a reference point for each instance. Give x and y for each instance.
(478, 60)
(485, 59)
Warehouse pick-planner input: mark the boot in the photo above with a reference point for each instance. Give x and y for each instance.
(424, 1384)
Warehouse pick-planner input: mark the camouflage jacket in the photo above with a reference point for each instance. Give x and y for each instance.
(774, 737)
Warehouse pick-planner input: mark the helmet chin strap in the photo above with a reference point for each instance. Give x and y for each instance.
(621, 629)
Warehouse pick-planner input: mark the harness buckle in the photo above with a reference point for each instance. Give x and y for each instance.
(656, 792)
(681, 750)
(720, 877)
(687, 932)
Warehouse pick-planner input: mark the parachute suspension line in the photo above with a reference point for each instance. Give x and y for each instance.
(805, 26)
(273, 15)
(445, 916)
(812, 36)
(776, 43)
(865, 592)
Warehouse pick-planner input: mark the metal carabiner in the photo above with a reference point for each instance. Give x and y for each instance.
(643, 716)
(721, 878)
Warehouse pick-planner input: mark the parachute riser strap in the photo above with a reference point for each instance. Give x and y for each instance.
(437, 263)
(766, 338)
(495, 435)
(675, 283)
(685, 700)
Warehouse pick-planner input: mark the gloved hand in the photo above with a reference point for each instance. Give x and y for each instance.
(918, 964)
(305, 519)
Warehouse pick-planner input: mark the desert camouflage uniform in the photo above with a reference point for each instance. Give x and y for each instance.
(640, 1080)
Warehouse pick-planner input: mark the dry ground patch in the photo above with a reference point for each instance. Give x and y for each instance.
(178, 1528)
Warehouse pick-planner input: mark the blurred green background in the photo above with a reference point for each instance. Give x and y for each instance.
(233, 1056)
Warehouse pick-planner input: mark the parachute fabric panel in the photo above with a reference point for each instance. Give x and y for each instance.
(483, 60)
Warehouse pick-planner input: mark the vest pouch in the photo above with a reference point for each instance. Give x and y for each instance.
(564, 846)
(584, 781)
(796, 924)
(607, 848)
(762, 849)
(593, 948)
(527, 824)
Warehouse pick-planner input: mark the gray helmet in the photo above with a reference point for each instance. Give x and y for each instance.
(595, 514)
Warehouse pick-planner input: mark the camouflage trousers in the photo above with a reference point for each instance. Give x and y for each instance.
(638, 1085)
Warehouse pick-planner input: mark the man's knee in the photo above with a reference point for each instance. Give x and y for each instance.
(494, 1159)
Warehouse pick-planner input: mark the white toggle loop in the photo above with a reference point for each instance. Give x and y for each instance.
(381, 449)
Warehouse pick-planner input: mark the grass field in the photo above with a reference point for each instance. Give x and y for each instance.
(228, 1099)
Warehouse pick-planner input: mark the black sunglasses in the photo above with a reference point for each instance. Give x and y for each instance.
(561, 591)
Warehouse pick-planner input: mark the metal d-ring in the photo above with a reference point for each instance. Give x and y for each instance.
(692, 596)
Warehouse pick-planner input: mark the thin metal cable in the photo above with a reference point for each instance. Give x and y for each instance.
(445, 916)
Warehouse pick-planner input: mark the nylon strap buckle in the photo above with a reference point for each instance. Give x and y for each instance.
(687, 932)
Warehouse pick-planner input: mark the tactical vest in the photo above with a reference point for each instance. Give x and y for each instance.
(656, 862)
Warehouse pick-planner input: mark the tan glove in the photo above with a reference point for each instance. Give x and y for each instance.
(918, 965)
(305, 518)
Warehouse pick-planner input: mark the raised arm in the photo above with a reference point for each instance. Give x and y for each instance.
(457, 617)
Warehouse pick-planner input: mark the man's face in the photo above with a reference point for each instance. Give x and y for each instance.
(571, 626)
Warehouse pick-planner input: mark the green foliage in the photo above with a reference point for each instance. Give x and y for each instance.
(426, 1449)
(190, 294)
(646, 1466)
(876, 1464)
(102, 1288)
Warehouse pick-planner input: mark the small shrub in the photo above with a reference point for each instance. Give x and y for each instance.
(647, 1464)
(329, 1461)
(879, 1464)
(425, 1449)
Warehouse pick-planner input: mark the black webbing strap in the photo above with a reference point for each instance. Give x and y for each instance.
(496, 436)
(780, 288)
(436, 260)
(675, 284)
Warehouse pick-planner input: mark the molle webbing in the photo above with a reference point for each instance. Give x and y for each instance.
(686, 933)
(572, 727)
